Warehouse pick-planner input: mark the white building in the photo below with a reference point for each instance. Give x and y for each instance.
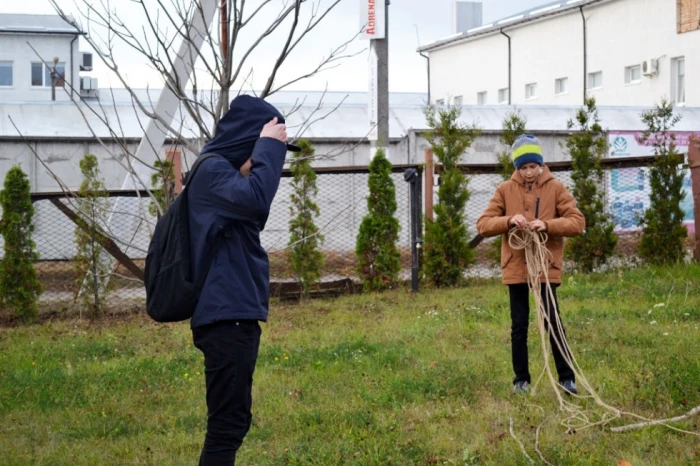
(29, 44)
(625, 52)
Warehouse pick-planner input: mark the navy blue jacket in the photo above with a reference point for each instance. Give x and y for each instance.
(238, 283)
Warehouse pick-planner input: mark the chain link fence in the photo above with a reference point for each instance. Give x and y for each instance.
(128, 222)
(626, 195)
(342, 202)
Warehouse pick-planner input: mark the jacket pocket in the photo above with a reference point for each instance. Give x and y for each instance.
(555, 264)
(505, 259)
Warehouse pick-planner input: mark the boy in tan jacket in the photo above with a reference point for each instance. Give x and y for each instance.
(533, 199)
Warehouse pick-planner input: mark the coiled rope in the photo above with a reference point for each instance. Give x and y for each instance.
(537, 259)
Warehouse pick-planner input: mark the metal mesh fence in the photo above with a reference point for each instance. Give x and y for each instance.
(626, 195)
(128, 222)
(342, 202)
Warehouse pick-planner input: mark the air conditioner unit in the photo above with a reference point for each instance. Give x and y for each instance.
(85, 83)
(88, 87)
(86, 61)
(650, 67)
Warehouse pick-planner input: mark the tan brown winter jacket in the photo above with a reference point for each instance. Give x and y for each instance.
(557, 208)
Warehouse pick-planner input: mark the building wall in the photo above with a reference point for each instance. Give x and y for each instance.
(465, 71)
(624, 33)
(619, 34)
(545, 51)
(43, 159)
(16, 48)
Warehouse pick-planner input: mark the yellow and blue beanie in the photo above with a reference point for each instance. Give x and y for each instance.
(527, 149)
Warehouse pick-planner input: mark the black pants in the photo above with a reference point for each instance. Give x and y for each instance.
(230, 353)
(520, 318)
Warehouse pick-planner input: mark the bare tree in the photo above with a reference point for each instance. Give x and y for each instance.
(202, 51)
(202, 66)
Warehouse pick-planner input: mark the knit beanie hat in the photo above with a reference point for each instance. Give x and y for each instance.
(527, 149)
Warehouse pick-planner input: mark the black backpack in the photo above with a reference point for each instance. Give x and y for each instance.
(171, 293)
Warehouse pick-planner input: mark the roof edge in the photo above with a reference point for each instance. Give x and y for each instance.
(34, 32)
(507, 23)
(65, 27)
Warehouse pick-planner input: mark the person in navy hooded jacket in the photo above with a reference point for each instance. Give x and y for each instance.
(231, 195)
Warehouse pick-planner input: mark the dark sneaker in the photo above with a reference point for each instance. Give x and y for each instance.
(521, 387)
(569, 386)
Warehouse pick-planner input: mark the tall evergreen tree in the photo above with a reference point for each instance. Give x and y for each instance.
(378, 255)
(447, 253)
(664, 235)
(305, 256)
(587, 146)
(19, 284)
(92, 267)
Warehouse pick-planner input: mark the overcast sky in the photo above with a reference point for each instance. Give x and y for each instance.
(409, 19)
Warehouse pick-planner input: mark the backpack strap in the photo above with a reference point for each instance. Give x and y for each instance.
(220, 235)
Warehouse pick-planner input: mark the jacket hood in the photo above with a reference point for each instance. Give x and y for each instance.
(239, 129)
(545, 177)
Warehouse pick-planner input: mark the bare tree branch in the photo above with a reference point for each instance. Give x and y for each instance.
(285, 51)
(693, 412)
(275, 24)
(335, 56)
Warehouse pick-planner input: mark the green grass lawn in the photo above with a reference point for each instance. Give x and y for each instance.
(387, 379)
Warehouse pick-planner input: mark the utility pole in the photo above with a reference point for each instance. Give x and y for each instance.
(375, 17)
(382, 48)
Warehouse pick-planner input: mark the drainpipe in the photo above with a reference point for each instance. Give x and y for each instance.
(427, 59)
(72, 81)
(585, 56)
(510, 70)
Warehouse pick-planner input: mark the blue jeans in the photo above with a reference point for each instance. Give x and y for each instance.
(230, 351)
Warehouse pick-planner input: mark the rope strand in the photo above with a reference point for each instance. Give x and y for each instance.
(537, 259)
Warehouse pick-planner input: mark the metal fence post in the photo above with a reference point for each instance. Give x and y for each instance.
(413, 176)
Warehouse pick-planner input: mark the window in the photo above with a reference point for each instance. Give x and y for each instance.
(440, 102)
(5, 73)
(458, 101)
(561, 86)
(41, 74)
(595, 80)
(633, 74)
(37, 74)
(531, 91)
(503, 95)
(678, 80)
(481, 98)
